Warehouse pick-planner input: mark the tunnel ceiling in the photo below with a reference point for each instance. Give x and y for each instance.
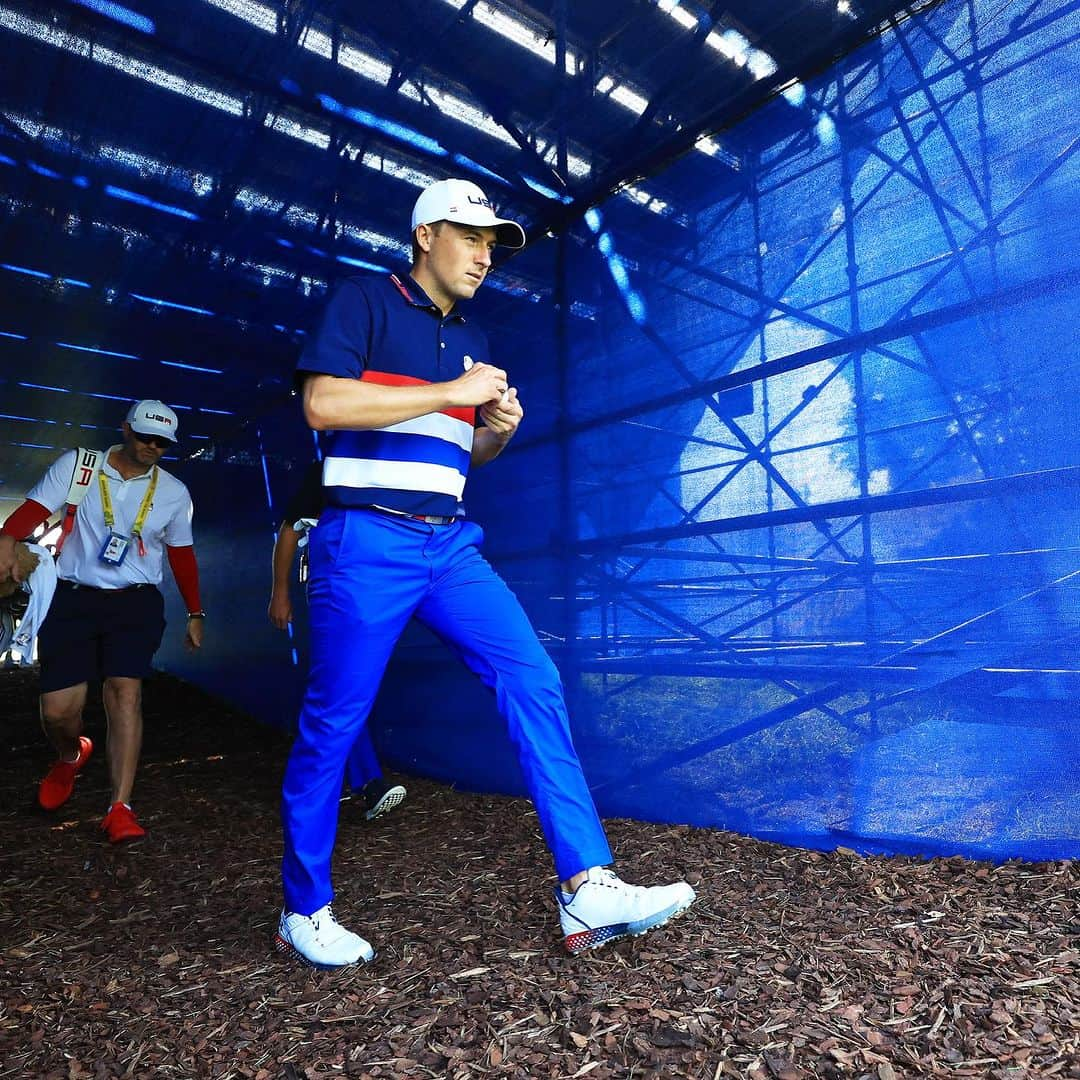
(181, 181)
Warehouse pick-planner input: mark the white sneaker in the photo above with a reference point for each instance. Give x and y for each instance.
(320, 940)
(605, 908)
(378, 797)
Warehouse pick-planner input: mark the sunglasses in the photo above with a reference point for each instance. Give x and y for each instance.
(152, 440)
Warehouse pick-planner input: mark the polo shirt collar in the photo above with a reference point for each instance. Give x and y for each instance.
(109, 470)
(414, 295)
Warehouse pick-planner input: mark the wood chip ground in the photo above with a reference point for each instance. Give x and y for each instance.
(154, 961)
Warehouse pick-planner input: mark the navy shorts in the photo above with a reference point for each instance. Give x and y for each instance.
(92, 634)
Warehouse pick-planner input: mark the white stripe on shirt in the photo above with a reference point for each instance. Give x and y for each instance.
(440, 426)
(399, 475)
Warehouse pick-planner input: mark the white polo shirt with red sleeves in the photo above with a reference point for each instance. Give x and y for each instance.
(167, 523)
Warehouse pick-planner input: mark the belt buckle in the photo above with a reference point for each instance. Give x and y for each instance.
(427, 519)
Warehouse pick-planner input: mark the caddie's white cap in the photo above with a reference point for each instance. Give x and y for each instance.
(153, 417)
(463, 202)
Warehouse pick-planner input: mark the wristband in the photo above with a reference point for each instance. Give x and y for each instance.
(196, 615)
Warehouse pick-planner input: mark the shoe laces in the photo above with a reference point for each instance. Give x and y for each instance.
(324, 917)
(604, 875)
(607, 878)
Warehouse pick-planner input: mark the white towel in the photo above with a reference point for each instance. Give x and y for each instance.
(40, 585)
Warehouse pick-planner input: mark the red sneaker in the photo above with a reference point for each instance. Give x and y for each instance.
(59, 782)
(120, 824)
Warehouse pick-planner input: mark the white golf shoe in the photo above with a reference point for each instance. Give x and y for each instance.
(605, 908)
(320, 940)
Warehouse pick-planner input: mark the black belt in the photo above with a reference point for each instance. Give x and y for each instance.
(428, 519)
(100, 588)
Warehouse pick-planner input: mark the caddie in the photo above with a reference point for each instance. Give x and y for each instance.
(122, 515)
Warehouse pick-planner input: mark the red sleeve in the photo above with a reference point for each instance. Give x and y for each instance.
(26, 519)
(186, 572)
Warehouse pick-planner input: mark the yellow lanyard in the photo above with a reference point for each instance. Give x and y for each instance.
(144, 507)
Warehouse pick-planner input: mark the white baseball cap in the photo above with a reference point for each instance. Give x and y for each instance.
(463, 202)
(153, 417)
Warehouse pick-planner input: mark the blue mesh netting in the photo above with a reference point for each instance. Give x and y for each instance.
(796, 508)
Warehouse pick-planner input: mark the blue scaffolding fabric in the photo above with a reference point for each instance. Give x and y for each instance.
(796, 504)
(800, 520)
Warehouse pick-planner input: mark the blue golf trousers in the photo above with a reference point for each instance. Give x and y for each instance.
(369, 573)
(362, 765)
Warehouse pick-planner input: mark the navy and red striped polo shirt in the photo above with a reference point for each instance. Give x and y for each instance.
(386, 330)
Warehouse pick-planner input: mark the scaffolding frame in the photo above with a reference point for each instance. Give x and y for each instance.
(742, 598)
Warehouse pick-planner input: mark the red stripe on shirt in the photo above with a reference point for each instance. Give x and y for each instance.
(386, 378)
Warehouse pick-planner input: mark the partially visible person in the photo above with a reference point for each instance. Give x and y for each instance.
(367, 786)
(107, 617)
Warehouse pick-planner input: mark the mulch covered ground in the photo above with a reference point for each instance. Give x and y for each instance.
(154, 961)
